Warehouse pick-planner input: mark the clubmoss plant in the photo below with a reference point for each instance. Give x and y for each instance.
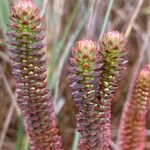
(25, 37)
(112, 50)
(132, 126)
(84, 74)
(93, 87)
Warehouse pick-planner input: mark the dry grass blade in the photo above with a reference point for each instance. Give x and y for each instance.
(136, 27)
(133, 18)
(45, 2)
(10, 111)
(138, 63)
(4, 57)
(143, 49)
(90, 26)
(6, 124)
(13, 97)
(113, 146)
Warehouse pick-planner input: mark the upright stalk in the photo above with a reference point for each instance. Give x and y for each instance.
(132, 126)
(25, 37)
(84, 74)
(112, 50)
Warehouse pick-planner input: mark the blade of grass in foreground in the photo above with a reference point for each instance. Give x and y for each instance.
(75, 141)
(19, 134)
(108, 12)
(26, 144)
(4, 15)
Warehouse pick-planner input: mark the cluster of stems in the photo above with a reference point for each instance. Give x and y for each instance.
(94, 74)
(25, 37)
(132, 126)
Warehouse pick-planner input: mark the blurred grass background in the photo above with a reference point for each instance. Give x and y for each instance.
(68, 21)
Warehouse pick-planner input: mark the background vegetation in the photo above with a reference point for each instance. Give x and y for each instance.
(68, 21)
